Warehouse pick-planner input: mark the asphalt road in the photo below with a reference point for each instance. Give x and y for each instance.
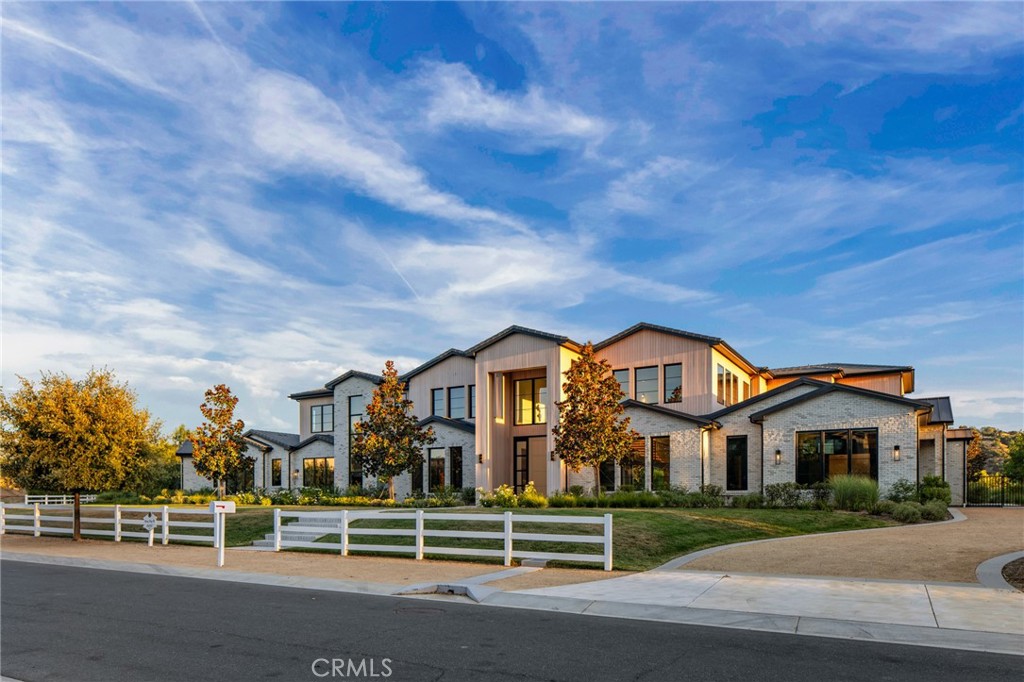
(62, 623)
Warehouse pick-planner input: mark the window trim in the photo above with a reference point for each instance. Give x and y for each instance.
(626, 393)
(664, 383)
(745, 478)
(434, 393)
(471, 402)
(535, 400)
(873, 458)
(275, 472)
(449, 398)
(329, 478)
(313, 409)
(636, 384)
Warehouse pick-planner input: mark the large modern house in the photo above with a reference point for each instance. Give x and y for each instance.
(705, 415)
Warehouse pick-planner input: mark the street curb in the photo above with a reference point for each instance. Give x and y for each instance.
(674, 564)
(990, 573)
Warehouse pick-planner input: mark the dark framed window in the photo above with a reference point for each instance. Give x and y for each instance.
(457, 402)
(622, 376)
(736, 463)
(720, 386)
(417, 478)
(646, 384)
(607, 474)
(673, 383)
(435, 466)
(821, 454)
(531, 397)
(356, 405)
(318, 472)
(321, 418)
(728, 387)
(455, 466)
(746, 390)
(660, 463)
(631, 467)
(437, 402)
(472, 401)
(275, 472)
(242, 479)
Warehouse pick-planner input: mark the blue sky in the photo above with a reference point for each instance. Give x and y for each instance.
(268, 195)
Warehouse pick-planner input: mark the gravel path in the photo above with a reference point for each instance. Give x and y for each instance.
(948, 552)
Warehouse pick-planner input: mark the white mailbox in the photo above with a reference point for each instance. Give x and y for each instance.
(222, 507)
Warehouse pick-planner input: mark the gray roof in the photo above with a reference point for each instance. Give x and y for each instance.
(375, 378)
(516, 329)
(753, 400)
(316, 437)
(468, 427)
(629, 402)
(185, 449)
(641, 326)
(450, 353)
(285, 440)
(313, 393)
(825, 387)
(846, 368)
(942, 410)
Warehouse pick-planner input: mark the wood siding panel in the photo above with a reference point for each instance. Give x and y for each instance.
(454, 371)
(883, 383)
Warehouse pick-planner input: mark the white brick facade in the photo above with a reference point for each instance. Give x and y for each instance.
(447, 437)
(354, 385)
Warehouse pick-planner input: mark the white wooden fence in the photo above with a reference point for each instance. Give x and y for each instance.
(41, 519)
(339, 523)
(58, 499)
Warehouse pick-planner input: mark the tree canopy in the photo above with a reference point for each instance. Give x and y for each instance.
(591, 427)
(389, 441)
(217, 443)
(68, 435)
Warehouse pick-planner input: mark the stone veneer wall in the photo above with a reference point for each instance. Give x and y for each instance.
(447, 437)
(354, 385)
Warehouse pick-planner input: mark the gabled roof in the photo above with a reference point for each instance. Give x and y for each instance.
(831, 388)
(285, 440)
(516, 329)
(942, 410)
(710, 340)
(753, 400)
(375, 378)
(185, 449)
(314, 393)
(848, 369)
(468, 427)
(316, 437)
(450, 353)
(703, 421)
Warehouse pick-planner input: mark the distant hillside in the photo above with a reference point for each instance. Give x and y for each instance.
(993, 445)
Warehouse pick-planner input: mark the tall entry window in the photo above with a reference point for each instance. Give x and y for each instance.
(622, 376)
(673, 383)
(435, 464)
(659, 463)
(472, 401)
(821, 454)
(455, 466)
(647, 384)
(736, 463)
(631, 467)
(318, 472)
(275, 472)
(355, 415)
(531, 397)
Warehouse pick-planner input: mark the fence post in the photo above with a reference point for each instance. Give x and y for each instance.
(419, 534)
(3, 518)
(117, 523)
(344, 532)
(216, 530)
(508, 538)
(219, 529)
(36, 525)
(607, 542)
(277, 529)
(165, 522)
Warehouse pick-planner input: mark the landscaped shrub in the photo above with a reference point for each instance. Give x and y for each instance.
(854, 493)
(884, 507)
(934, 488)
(782, 494)
(934, 510)
(674, 497)
(468, 496)
(117, 497)
(713, 490)
(283, 497)
(532, 499)
(751, 501)
(902, 491)
(562, 500)
(503, 496)
(821, 491)
(907, 512)
(577, 490)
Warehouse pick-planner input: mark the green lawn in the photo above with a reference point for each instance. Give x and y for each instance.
(643, 538)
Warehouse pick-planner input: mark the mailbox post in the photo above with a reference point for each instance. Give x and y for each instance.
(219, 508)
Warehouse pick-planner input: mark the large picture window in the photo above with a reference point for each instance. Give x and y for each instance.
(647, 384)
(660, 463)
(318, 472)
(631, 467)
(356, 404)
(673, 383)
(457, 402)
(728, 387)
(736, 463)
(821, 454)
(321, 418)
(531, 397)
(622, 376)
(275, 472)
(435, 466)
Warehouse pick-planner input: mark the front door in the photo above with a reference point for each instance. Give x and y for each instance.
(529, 463)
(520, 463)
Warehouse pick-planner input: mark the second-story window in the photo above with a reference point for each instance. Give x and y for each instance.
(673, 383)
(437, 402)
(647, 384)
(531, 398)
(472, 401)
(728, 392)
(457, 402)
(321, 418)
(622, 376)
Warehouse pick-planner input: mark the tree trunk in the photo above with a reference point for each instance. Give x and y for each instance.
(77, 532)
(391, 487)
(217, 488)
(597, 481)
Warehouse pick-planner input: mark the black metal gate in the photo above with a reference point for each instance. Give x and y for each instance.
(995, 490)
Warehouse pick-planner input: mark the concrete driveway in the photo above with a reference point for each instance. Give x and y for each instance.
(938, 552)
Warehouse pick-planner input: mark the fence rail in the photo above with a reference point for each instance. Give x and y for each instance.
(340, 524)
(58, 499)
(35, 518)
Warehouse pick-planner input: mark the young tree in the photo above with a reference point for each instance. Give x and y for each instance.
(1013, 467)
(217, 443)
(67, 435)
(591, 428)
(389, 441)
(975, 457)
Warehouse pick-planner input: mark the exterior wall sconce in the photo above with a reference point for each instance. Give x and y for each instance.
(480, 458)
(295, 473)
(895, 453)
(778, 457)
(552, 456)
